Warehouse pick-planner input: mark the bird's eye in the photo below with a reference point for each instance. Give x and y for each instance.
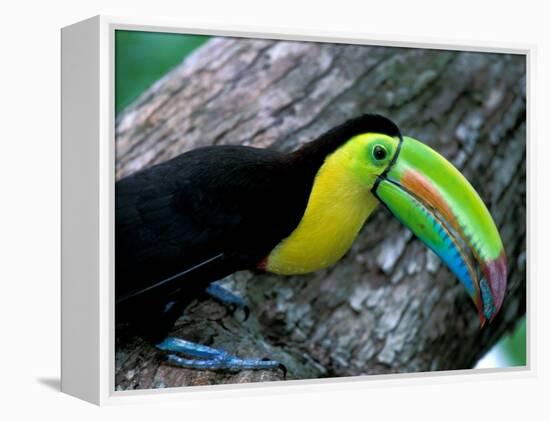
(379, 152)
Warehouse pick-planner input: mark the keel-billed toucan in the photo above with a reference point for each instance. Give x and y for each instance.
(197, 218)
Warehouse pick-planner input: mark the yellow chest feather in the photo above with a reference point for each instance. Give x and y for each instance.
(337, 208)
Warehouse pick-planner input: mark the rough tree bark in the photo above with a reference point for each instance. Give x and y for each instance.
(389, 305)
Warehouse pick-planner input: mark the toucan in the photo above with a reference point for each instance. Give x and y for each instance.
(184, 224)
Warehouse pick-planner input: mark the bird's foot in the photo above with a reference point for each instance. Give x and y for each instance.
(208, 358)
(228, 298)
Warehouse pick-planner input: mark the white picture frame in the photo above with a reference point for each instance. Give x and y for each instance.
(87, 214)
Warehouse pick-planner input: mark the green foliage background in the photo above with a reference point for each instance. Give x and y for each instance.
(141, 58)
(514, 345)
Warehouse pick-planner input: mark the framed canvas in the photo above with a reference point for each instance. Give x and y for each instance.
(249, 210)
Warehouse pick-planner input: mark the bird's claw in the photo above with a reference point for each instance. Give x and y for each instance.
(228, 298)
(280, 366)
(207, 358)
(246, 311)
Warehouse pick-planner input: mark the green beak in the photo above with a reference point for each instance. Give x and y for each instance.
(434, 200)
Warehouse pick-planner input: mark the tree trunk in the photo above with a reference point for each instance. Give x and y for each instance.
(389, 305)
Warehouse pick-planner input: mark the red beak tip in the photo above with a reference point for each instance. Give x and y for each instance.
(482, 321)
(496, 275)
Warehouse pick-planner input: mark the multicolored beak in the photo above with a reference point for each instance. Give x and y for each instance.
(434, 200)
